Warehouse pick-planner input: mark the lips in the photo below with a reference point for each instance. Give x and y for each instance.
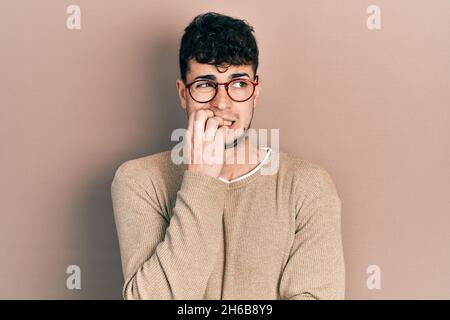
(229, 123)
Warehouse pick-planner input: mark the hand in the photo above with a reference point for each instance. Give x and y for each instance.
(205, 143)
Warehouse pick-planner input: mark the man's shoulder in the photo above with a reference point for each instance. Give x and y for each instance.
(299, 165)
(306, 174)
(157, 166)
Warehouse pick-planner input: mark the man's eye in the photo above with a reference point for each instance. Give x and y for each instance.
(202, 85)
(240, 84)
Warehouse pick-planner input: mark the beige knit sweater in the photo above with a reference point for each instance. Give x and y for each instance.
(186, 235)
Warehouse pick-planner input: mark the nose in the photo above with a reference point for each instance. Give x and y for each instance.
(221, 100)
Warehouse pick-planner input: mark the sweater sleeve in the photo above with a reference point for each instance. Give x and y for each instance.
(164, 259)
(315, 267)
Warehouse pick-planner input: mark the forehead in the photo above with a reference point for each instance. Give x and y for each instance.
(199, 69)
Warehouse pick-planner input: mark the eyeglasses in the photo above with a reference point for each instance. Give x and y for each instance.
(239, 90)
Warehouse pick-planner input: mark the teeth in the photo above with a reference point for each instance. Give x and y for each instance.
(227, 122)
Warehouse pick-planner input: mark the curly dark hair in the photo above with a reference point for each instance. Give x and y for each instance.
(220, 40)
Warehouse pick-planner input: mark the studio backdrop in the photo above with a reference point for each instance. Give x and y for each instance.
(358, 87)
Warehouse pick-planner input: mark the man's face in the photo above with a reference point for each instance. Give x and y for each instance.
(222, 105)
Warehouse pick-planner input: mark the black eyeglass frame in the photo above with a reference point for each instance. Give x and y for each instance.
(226, 84)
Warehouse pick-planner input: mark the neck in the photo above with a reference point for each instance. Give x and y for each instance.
(241, 159)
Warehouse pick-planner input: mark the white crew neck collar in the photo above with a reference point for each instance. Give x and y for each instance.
(248, 174)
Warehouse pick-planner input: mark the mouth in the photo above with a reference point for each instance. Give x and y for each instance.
(229, 123)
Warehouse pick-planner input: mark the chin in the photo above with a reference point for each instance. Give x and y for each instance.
(232, 140)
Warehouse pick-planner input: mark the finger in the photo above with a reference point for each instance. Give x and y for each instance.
(219, 143)
(200, 118)
(191, 117)
(187, 148)
(211, 127)
(189, 139)
(220, 134)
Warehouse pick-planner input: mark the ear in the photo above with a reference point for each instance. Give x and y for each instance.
(257, 92)
(181, 89)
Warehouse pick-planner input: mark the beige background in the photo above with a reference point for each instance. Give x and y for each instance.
(372, 107)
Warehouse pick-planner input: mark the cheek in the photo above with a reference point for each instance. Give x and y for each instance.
(192, 105)
(246, 114)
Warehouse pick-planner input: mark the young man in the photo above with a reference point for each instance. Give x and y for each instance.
(225, 230)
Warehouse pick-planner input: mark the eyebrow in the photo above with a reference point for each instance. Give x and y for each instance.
(213, 77)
